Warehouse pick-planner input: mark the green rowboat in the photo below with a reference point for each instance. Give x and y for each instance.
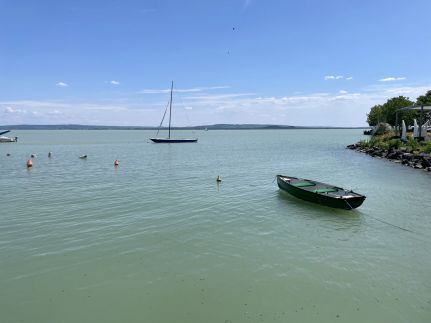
(320, 193)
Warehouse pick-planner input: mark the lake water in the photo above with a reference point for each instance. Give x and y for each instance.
(158, 240)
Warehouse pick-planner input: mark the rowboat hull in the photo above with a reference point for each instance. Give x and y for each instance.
(171, 140)
(335, 197)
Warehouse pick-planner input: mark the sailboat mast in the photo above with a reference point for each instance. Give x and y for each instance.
(170, 110)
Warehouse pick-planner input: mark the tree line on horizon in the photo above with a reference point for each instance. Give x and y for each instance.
(387, 112)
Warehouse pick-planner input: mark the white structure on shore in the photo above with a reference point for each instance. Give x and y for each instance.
(403, 131)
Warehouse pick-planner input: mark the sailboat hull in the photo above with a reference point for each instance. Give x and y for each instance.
(171, 140)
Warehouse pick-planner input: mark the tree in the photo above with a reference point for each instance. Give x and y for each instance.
(375, 115)
(387, 112)
(392, 105)
(424, 99)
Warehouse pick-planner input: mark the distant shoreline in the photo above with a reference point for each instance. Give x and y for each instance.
(204, 127)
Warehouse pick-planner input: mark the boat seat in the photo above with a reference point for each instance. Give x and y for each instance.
(326, 190)
(303, 184)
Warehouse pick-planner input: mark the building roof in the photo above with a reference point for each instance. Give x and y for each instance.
(416, 107)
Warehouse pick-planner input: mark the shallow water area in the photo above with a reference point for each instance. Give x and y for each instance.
(157, 239)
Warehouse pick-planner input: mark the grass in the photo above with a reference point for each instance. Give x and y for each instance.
(387, 141)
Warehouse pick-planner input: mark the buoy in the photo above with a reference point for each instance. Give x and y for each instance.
(218, 180)
(7, 154)
(49, 155)
(29, 163)
(116, 162)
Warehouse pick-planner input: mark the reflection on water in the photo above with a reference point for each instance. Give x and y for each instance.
(338, 216)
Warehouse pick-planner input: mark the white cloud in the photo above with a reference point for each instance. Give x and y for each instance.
(115, 83)
(349, 78)
(12, 110)
(333, 77)
(62, 84)
(407, 91)
(196, 89)
(391, 79)
(341, 108)
(56, 112)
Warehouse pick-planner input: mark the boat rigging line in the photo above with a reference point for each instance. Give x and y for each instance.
(161, 122)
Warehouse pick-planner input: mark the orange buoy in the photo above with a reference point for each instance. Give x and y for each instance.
(116, 162)
(29, 163)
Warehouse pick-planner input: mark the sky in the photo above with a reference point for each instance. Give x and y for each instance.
(300, 63)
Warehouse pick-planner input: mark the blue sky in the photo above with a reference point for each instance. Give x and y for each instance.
(239, 61)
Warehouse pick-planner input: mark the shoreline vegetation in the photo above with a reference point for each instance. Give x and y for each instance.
(203, 127)
(386, 143)
(410, 152)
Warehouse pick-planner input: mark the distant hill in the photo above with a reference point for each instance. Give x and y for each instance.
(227, 126)
(70, 127)
(209, 127)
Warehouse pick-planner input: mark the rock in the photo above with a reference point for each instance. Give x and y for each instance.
(392, 155)
(382, 128)
(407, 156)
(426, 162)
(404, 155)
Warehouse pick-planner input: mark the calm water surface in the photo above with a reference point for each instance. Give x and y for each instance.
(157, 240)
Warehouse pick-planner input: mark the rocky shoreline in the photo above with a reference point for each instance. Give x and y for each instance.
(401, 156)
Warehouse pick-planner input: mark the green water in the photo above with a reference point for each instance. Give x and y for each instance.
(158, 240)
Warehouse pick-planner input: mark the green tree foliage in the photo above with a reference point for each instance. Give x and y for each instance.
(424, 99)
(392, 105)
(386, 112)
(375, 116)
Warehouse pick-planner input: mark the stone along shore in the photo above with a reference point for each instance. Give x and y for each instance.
(401, 156)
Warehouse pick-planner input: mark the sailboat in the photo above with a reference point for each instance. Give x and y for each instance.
(169, 139)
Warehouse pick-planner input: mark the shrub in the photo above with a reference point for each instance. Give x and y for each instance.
(363, 143)
(382, 128)
(427, 147)
(394, 143)
(413, 144)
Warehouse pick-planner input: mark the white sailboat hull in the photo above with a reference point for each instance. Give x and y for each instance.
(7, 139)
